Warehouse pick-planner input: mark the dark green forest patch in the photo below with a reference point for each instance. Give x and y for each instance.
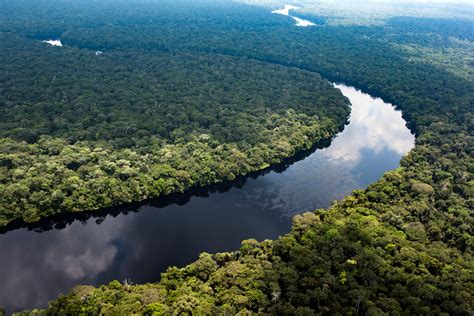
(82, 132)
(401, 246)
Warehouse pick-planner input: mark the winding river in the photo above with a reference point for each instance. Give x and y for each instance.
(137, 243)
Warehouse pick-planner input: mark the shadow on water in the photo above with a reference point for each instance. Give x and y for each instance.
(97, 247)
(61, 221)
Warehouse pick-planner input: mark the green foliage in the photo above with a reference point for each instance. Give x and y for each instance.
(124, 130)
(402, 246)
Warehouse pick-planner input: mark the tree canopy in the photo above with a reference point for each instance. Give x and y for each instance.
(401, 246)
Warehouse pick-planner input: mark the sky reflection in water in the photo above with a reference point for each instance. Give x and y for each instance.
(36, 267)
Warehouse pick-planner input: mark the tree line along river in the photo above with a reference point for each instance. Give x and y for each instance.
(138, 242)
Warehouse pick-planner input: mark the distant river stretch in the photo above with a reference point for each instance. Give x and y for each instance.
(138, 246)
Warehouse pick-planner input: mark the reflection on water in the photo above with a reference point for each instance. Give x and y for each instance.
(372, 143)
(286, 10)
(372, 128)
(54, 42)
(299, 21)
(36, 267)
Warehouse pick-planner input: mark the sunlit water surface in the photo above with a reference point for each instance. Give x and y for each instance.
(36, 267)
(54, 42)
(299, 21)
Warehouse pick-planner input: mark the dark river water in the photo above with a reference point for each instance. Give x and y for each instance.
(137, 243)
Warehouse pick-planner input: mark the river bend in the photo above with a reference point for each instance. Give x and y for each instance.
(138, 246)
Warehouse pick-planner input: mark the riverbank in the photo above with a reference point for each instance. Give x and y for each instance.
(211, 219)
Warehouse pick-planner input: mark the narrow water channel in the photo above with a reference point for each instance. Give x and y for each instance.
(138, 246)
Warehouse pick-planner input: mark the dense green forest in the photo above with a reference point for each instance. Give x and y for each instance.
(402, 246)
(82, 131)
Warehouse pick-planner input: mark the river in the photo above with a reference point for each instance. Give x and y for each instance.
(299, 21)
(138, 242)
